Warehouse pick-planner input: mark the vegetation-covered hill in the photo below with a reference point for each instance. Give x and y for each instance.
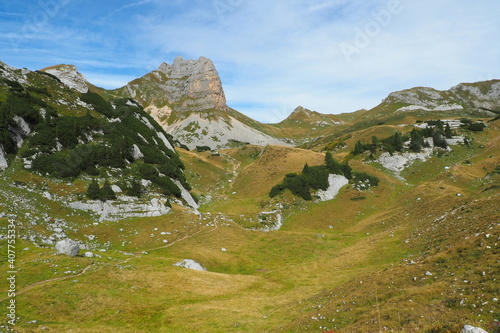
(416, 253)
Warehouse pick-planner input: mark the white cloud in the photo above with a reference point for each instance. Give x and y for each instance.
(273, 56)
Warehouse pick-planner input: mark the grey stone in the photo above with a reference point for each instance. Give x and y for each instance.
(472, 329)
(68, 247)
(186, 85)
(191, 264)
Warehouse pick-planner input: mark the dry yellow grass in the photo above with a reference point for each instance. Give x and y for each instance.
(257, 178)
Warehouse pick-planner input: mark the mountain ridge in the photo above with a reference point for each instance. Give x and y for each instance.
(416, 251)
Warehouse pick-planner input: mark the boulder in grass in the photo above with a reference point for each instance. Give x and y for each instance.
(191, 264)
(68, 247)
(472, 329)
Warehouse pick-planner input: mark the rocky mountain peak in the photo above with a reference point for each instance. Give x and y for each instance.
(185, 85)
(70, 76)
(464, 95)
(300, 109)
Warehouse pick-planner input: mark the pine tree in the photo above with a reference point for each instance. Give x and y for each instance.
(447, 131)
(346, 170)
(397, 141)
(93, 191)
(440, 127)
(359, 148)
(107, 192)
(332, 165)
(416, 141)
(374, 146)
(135, 189)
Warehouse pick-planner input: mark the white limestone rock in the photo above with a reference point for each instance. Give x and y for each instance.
(216, 132)
(68, 247)
(191, 264)
(186, 195)
(472, 329)
(3, 160)
(336, 182)
(117, 210)
(69, 75)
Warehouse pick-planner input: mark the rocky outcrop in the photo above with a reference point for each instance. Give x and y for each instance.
(484, 94)
(69, 75)
(472, 329)
(335, 183)
(127, 207)
(3, 160)
(68, 247)
(217, 131)
(191, 264)
(186, 85)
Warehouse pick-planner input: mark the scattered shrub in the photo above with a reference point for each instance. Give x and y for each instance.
(135, 189)
(365, 178)
(201, 149)
(476, 127)
(104, 193)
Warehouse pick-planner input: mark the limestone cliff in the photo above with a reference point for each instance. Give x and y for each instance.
(186, 98)
(186, 85)
(69, 75)
(484, 94)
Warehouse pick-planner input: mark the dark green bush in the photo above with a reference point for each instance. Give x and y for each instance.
(332, 164)
(363, 177)
(476, 127)
(93, 190)
(104, 193)
(316, 177)
(99, 104)
(135, 189)
(39, 90)
(201, 149)
(153, 155)
(167, 186)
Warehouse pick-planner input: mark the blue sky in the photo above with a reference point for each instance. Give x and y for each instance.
(331, 56)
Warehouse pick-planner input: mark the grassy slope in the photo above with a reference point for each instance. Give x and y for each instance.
(350, 255)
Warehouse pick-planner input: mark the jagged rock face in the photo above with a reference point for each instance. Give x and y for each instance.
(186, 85)
(14, 74)
(483, 94)
(465, 95)
(69, 75)
(187, 100)
(421, 96)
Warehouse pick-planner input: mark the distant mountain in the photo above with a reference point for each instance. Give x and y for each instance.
(69, 75)
(484, 94)
(302, 116)
(188, 100)
(184, 86)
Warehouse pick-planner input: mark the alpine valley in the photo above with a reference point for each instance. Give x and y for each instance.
(156, 207)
